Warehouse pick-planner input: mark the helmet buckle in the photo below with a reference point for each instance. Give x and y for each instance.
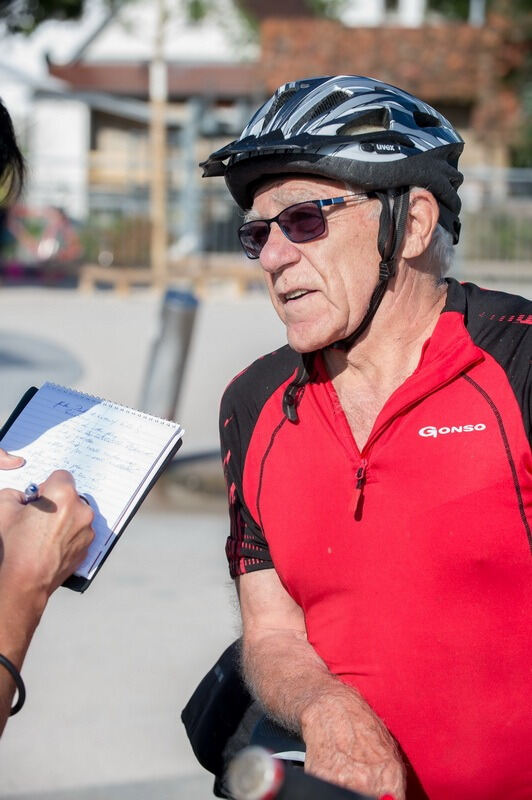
(386, 270)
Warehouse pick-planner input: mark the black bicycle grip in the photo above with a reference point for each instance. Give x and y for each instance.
(254, 774)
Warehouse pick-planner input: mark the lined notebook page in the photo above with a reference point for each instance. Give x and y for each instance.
(112, 452)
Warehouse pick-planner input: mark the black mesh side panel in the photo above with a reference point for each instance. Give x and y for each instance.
(242, 404)
(500, 324)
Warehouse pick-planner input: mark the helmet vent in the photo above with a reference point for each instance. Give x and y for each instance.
(424, 120)
(327, 104)
(278, 103)
(375, 119)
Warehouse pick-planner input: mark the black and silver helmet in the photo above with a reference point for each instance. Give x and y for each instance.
(350, 128)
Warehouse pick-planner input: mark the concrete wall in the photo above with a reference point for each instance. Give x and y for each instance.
(58, 140)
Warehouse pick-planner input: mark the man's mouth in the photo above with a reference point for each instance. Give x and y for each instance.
(295, 294)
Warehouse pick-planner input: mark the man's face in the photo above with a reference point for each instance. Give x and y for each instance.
(320, 289)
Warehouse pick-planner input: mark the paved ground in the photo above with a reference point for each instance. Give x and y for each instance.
(193, 787)
(109, 671)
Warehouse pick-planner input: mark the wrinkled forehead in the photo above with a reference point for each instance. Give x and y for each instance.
(284, 190)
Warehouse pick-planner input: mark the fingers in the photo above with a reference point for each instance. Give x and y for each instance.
(74, 551)
(46, 540)
(58, 479)
(86, 537)
(9, 461)
(58, 493)
(60, 485)
(11, 496)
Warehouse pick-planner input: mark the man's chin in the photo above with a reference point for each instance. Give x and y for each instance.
(308, 344)
(303, 350)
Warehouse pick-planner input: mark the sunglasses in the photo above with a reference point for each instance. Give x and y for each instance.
(301, 222)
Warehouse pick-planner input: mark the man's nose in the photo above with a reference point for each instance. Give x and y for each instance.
(278, 252)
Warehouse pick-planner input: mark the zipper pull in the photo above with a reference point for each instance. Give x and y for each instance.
(361, 475)
(359, 485)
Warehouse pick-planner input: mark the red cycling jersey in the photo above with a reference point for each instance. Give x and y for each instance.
(411, 558)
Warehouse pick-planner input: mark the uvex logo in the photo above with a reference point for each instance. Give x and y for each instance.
(380, 147)
(431, 430)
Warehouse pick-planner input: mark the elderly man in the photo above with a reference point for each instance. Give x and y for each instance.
(42, 542)
(379, 466)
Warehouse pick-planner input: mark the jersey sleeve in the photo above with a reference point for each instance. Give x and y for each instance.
(246, 547)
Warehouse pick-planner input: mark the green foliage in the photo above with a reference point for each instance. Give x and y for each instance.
(459, 9)
(327, 8)
(23, 16)
(521, 152)
(493, 235)
(26, 15)
(196, 9)
(451, 9)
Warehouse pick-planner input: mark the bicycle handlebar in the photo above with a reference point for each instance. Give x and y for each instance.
(254, 774)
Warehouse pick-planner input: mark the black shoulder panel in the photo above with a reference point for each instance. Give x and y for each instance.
(246, 395)
(500, 324)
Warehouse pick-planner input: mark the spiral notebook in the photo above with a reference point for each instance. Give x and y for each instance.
(114, 453)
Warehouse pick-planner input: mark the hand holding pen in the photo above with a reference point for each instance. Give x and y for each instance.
(43, 542)
(40, 546)
(32, 493)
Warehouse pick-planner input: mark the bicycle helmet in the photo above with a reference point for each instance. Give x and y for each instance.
(357, 130)
(354, 129)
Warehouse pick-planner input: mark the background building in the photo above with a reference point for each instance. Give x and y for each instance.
(82, 105)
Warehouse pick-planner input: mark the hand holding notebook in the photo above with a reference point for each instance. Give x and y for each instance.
(114, 453)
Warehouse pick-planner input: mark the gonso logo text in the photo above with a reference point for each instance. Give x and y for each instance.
(433, 431)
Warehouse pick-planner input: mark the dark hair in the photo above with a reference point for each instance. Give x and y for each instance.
(11, 160)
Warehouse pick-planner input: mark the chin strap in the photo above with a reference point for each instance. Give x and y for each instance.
(392, 225)
(293, 390)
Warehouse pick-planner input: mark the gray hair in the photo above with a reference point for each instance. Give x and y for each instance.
(439, 255)
(438, 258)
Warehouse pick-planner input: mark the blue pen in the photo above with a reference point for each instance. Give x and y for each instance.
(31, 493)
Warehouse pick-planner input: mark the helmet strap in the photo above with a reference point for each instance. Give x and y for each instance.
(392, 226)
(296, 387)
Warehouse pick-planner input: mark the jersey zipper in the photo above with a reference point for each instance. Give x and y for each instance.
(362, 469)
(360, 477)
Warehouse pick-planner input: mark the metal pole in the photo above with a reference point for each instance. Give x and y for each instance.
(189, 196)
(477, 12)
(158, 147)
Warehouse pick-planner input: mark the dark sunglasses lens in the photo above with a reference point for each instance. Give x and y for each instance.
(302, 223)
(253, 236)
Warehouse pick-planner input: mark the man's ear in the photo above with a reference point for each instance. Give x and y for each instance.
(423, 215)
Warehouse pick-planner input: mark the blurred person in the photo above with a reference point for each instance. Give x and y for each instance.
(379, 465)
(11, 160)
(41, 542)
